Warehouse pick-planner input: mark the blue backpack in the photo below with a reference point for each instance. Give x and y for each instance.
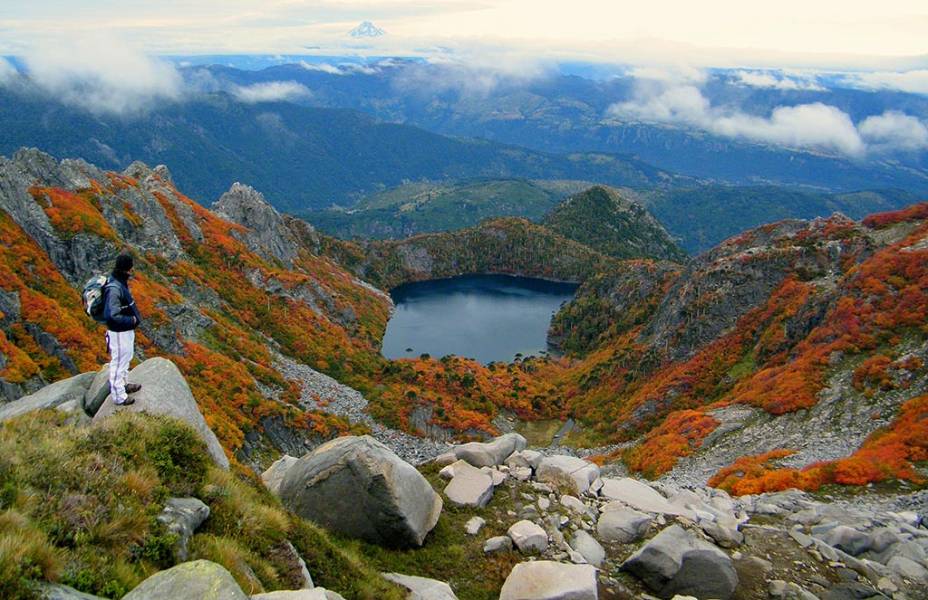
(94, 296)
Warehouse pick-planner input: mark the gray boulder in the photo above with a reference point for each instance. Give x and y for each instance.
(588, 547)
(570, 471)
(165, 392)
(528, 537)
(196, 580)
(846, 539)
(274, 475)
(490, 454)
(422, 588)
(182, 516)
(676, 562)
(525, 458)
(641, 496)
(50, 396)
(56, 591)
(500, 543)
(622, 525)
(96, 394)
(469, 487)
(548, 580)
(392, 504)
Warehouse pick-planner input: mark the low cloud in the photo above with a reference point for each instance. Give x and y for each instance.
(894, 130)
(102, 75)
(272, 91)
(913, 82)
(806, 126)
(766, 80)
(7, 71)
(474, 75)
(323, 67)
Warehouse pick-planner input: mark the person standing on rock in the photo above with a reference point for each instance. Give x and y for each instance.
(122, 317)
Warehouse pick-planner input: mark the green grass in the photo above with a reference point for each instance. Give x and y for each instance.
(79, 506)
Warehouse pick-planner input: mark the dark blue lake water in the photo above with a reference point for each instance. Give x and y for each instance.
(485, 317)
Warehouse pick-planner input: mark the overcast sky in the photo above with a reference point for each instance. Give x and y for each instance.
(827, 33)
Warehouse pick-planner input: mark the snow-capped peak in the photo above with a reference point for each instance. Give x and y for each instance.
(366, 29)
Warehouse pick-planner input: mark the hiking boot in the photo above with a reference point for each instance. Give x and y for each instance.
(126, 403)
(132, 388)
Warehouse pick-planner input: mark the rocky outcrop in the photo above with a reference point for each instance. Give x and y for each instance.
(676, 562)
(266, 234)
(274, 475)
(165, 392)
(97, 392)
(51, 396)
(196, 580)
(547, 580)
(392, 504)
(575, 473)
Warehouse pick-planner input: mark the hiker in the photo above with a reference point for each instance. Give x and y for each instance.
(121, 317)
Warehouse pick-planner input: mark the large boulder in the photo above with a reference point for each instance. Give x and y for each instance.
(469, 487)
(390, 502)
(677, 562)
(196, 580)
(274, 475)
(570, 471)
(165, 392)
(50, 396)
(313, 594)
(96, 394)
(548, 580)
(490, 454)
(182, 516)
(422, 588)
(641, 496)
(588, 547)
(56, 591)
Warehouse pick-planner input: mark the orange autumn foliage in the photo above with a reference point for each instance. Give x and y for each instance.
(679, 435)
(72, 213)
(916, 212)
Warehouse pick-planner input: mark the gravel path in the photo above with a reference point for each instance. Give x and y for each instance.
(321, 392)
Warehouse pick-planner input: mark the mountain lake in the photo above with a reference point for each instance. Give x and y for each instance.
(485, 317)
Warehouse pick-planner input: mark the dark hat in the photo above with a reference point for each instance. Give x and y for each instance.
(123, 263)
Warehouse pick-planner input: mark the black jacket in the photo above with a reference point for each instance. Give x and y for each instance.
(120, 308)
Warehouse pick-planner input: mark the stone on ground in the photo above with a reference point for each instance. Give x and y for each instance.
(313, 594)
(469, 487)
(525, 458)
(500, 543)
(165, 392)
(623, 525)
(528, 537)
(548, 580)
(847, 539)
(474, 525)
(422, 588)
(392, 504)
(182, 516)
(677, 562)
(588, 547)
(274, 475)
(56, 591)
(196, 580)
(50, 396)
(570, 471)
(490, 454)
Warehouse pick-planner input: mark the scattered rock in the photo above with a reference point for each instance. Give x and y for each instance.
(422, 588)
(500, 543)
(574, 504)
(392, 503)
(469, 486)
(313, 594)
(165, 392)
(474, 525)
(570, 471)
(50, 396)
(182, 516)
(196, 580)
(725, 535)
(676, 562)
(56, 591)
(623, 525)
(528, 537)
(274, 475)
(97, 392)
(589, 548)
(640, 496)
(846, 539)
(548, 580)
(525, 458)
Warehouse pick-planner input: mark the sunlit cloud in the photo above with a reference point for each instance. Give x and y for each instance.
(272, 91)
(766, 80)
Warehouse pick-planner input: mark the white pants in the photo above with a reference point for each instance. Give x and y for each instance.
(122, 347)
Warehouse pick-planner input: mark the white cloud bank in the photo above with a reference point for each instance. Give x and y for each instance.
(102, 75)
(807, 126)
(766, 80)
(272, 91)
(914, 82)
